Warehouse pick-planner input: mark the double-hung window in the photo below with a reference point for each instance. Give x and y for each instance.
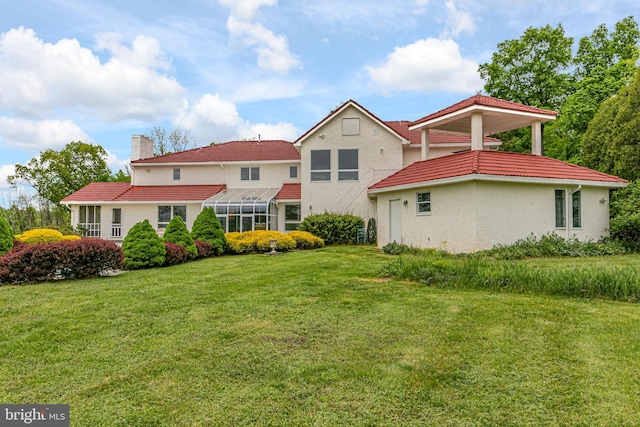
(347, 165)
(561, 209)
(250, 174)
(423, 203)
(165, 213)
(291, 217)
(576, 209)
(320, 165)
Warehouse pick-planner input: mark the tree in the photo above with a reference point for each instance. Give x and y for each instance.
(179, 139)
(6, 237)
(532, 70)
(207, 228)
(177, 233)
(612, 141)
(604, 64)
(142, 247)
(57, 174)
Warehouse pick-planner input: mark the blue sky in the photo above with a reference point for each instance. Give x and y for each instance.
(100, 71)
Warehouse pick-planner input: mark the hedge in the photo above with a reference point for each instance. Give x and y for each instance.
(62, 260)
(258, 241)
(333, 228)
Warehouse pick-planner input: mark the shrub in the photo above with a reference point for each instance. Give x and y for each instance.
(61, 260)
(177, 233)
(142, 247)
(71, 238)
(333, 228)
(6, 237)
(306, 240)
(207, 228)
(175, 254)
(205, 249)
(40, 235)
(625, 228)
(258, 241)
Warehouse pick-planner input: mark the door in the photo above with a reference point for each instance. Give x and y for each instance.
(395, 221)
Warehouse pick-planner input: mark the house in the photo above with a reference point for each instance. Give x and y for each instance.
(436, 182)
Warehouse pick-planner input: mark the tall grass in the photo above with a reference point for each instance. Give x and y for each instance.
(616, 282)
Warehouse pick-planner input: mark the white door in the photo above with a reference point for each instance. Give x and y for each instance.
(395, 221)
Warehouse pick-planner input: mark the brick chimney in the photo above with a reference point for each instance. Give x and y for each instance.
(141, 147)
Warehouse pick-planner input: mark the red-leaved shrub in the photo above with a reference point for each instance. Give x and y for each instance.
(63, 260)
(205, 249)
(176, 254)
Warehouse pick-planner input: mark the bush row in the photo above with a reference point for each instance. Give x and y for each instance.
(333, 228)
(62, 260)
(260, 241)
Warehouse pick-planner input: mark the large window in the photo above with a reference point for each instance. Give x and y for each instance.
(165, 213)
(320, 165)
(347, 165)
(561, 206)
(90, 221)
(423, 203)
(351, 126)
(291, 217)
(576, 209)
(249, 174)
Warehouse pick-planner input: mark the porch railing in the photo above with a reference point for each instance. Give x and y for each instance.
(116, 230)
(90, 229)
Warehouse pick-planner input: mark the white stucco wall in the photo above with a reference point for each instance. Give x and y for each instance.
(379, 155)
(472, 216)
(272, 174)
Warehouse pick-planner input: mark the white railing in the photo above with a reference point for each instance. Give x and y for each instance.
(90, 229)
(116, 230)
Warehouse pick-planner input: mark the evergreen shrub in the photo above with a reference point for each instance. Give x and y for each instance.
(6, 237)
(177, 233)
(207, 228)
(61, 260)
(333, 228)
(143, 248)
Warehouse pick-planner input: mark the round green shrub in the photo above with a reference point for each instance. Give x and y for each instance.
(178, 234)
(207, 228)
(6, 237)
(143, 248)
(333, 228)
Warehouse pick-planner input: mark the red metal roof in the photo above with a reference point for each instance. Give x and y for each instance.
(414, 136)
(289, 192)
(124, 192)
(234, 151)
(492, 163)
(485, 101)
(99, 192)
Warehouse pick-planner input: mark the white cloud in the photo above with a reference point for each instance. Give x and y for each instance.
(39, 135)
(285, 131)
(37, 77)
(429, 65)
(458, 22)
(213, 118)
(260, 90)
(272, 49)
(5, 171)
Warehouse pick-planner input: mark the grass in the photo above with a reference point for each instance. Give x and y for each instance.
(315, 338)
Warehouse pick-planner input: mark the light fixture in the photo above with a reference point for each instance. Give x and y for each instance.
(321, 136)
(406, 203)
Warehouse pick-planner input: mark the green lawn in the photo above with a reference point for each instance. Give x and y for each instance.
(315, 338)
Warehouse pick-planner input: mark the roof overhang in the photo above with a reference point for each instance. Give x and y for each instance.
(497, 178)
(494, 120)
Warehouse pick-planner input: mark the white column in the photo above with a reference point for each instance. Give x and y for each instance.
(477, 137)
(536, 138)
(425, 143)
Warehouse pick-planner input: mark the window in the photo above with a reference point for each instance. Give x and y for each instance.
(90, 220)
(293, 171)
(249, 174)
(347, 165)
(176, 174)
(423, 203)
(351, 126)
(576, 209)
(165, 213)
(320, 165)
(291, 217)
(561, 215)
(116, 222)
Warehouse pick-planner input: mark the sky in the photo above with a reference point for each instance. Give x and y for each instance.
(100, 71)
